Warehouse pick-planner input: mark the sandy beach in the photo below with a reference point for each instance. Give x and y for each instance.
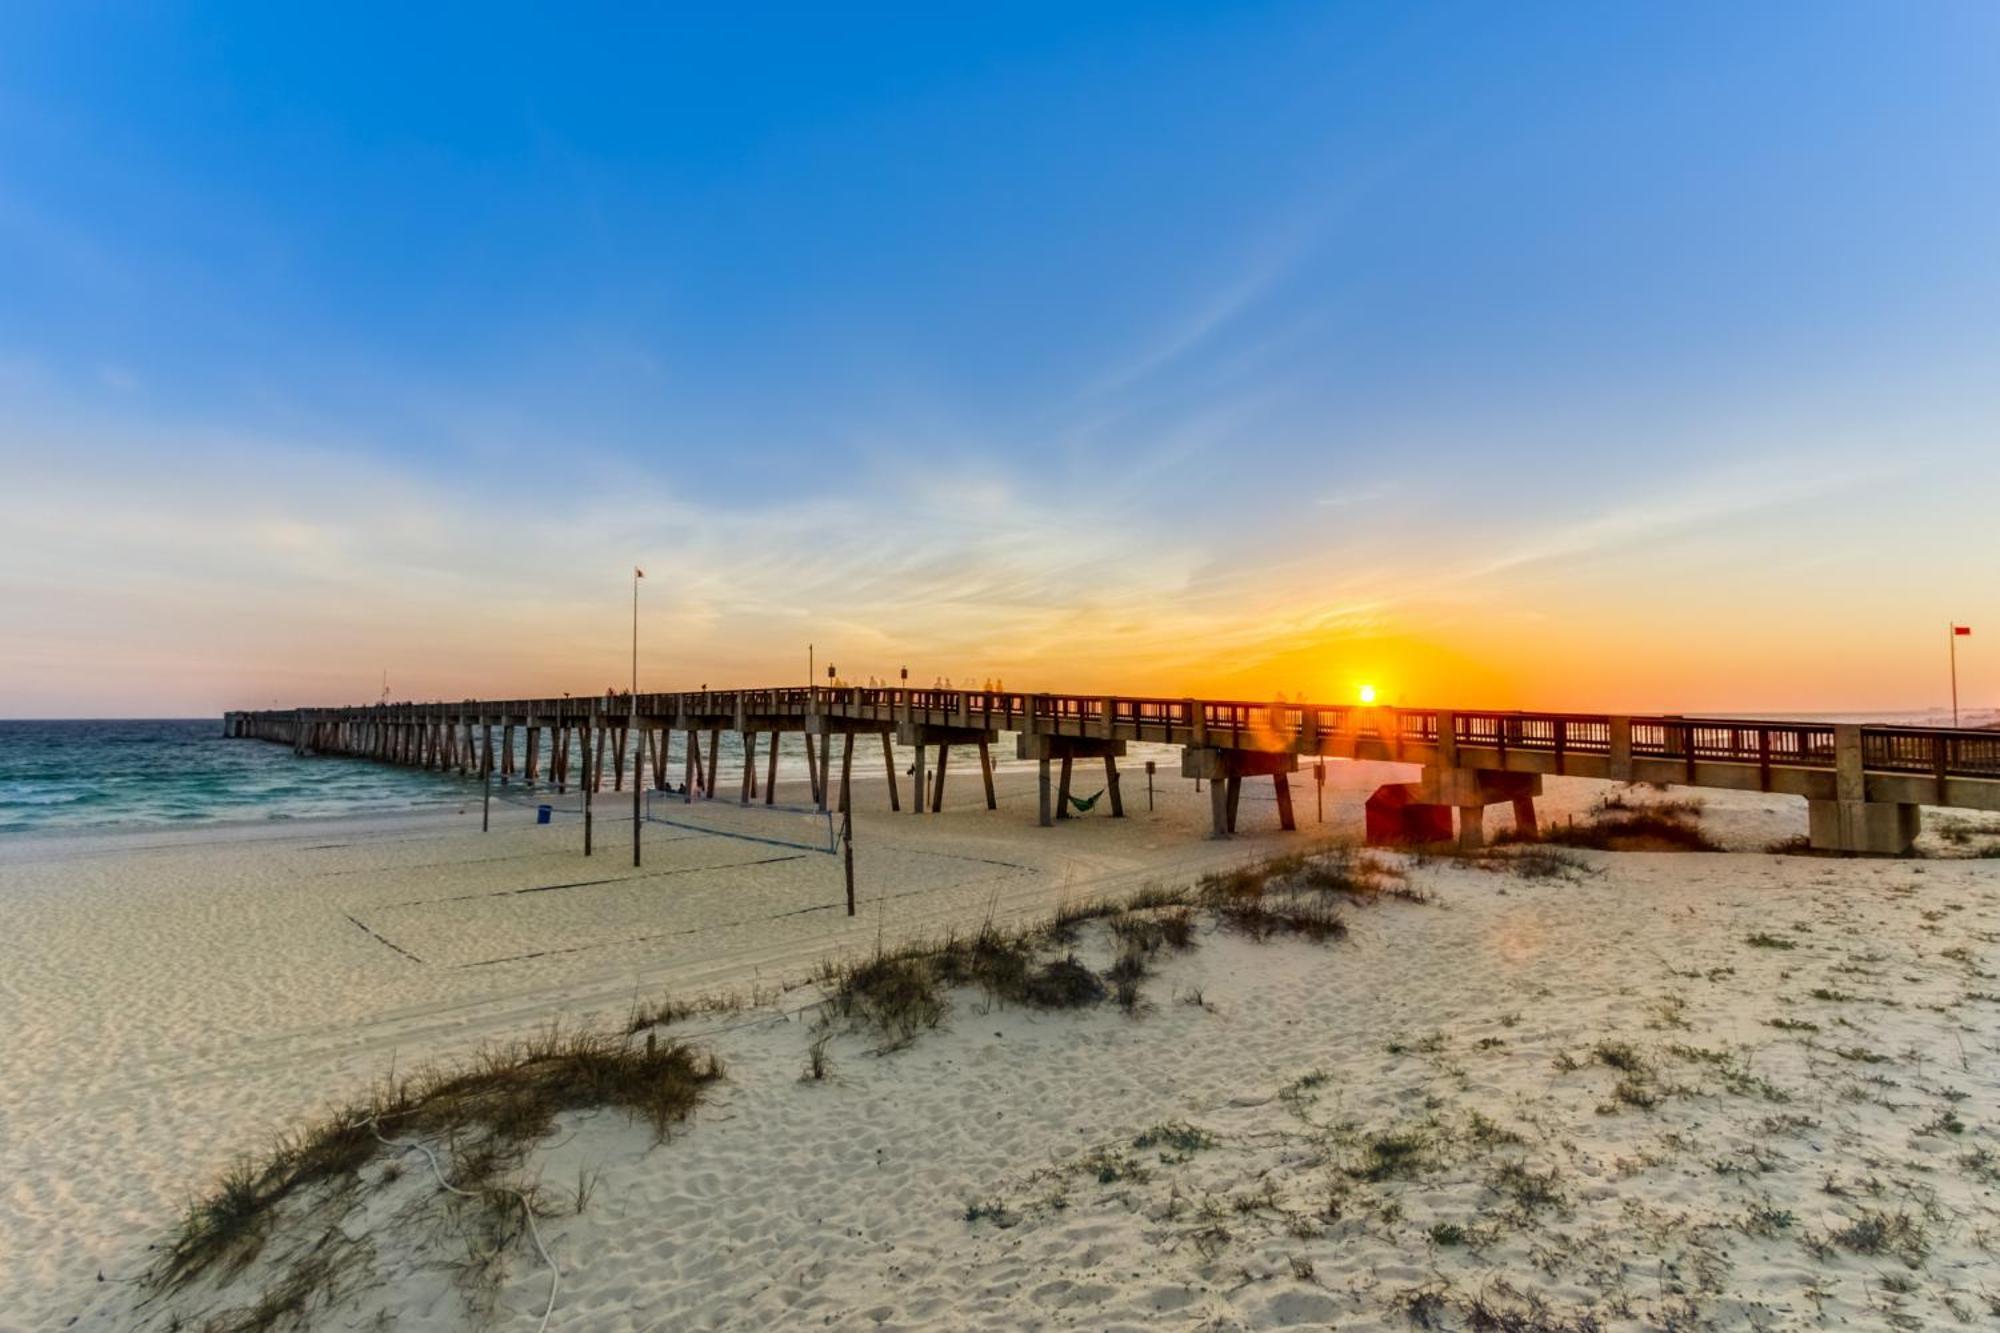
(176, 1000)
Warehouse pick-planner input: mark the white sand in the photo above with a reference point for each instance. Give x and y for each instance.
(173, 1000)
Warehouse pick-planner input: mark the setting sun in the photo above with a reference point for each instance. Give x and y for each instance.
(1367, 694)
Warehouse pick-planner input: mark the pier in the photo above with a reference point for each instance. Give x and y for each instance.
(1863, 784)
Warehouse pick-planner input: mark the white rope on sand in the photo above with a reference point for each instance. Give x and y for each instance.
(527, 1211)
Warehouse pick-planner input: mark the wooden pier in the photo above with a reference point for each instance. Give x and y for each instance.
(1863, 784)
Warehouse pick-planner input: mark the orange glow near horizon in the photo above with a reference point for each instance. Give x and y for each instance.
(1367, 694)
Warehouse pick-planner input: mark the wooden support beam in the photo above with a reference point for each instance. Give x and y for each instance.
(714, 761)
(918, 792)
(749, 768)
(534, 753)
(825, 764)
(1285, 820)
(937, 797)
(986, 774)
(1235, 798)
(1062, 790)
(812, 768)
(771, 771)
(1048, 816)
(1111, 786)
(889, 763)
(846, 777)
(692, 773)
(619, 736)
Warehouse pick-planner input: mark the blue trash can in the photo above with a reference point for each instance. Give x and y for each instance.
(543, 812)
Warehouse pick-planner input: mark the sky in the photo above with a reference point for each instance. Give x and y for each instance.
(1600, 357)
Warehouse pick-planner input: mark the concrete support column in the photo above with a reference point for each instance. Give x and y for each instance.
(1620, 766)
(1471, 827)
(1852, 823)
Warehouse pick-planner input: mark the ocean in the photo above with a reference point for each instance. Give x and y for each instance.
(57, 776)
(63, 776)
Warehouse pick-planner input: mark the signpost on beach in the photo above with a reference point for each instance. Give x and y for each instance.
(847, 853)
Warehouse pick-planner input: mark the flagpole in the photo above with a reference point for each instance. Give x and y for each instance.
(1953, 636)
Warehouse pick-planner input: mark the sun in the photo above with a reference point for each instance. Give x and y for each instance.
(1367, 694)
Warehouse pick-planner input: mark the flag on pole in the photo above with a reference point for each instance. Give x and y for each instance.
(1961, 630)
(638, 573)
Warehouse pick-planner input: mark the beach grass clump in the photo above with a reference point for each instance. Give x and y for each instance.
(1177, 1140)
(488, 1108)
(1623, 1057)
(897, 993)
(1516, 854)
(668, 1009)
(1392, 1155)
(1875, 1231)
(1618, 823)
(1527, 1189)
(1302, 893)
(1261, 919)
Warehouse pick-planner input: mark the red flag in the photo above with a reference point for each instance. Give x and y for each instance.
(1961, 629)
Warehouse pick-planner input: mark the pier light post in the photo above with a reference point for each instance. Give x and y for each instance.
(637, 574)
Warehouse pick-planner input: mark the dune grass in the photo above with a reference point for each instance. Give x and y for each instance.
(489, 1109)
(1620, 823)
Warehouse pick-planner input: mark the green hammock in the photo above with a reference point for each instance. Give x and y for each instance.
(1084, 805)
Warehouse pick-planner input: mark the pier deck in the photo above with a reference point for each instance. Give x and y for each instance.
(1863, 783)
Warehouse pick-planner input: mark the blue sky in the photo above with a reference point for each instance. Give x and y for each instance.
(1593, 355)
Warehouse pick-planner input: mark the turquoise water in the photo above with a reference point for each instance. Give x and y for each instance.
(56, 776)
(62, 776)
